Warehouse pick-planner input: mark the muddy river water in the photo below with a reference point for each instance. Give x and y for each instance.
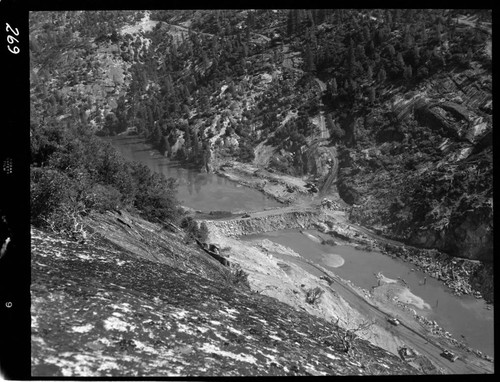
(200, 191)
(462, 316)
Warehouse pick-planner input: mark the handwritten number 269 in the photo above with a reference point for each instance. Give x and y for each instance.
(11, 39)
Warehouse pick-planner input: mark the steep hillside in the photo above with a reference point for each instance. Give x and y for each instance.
(403, 96)
(426, 176)
(105, 308)
(389, 110)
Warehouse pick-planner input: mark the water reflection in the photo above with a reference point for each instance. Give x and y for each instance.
(205, 192)
(197, 185)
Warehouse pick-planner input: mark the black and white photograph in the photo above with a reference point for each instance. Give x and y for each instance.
(257, 192)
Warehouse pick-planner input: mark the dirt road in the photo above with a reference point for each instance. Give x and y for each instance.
(413, 338)
(409, 332)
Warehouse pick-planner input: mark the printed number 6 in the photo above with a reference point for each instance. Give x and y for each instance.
(11, 39)
(14, 51)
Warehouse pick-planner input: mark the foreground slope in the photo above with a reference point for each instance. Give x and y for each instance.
(100, 311)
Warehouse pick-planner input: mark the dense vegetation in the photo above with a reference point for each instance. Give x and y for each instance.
(74, 173)
(175, 77)
(358, 53)
(205, 84)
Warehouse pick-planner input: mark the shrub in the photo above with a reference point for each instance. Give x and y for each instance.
(80, 173)
(191, 227)
(54, 203)
(155, 196)
(344, 340)
(246, 153)
(337, 132)
(203, 232)
(328, 242)
(44, 142)
(220, 214)
(105, 197)
(313, 295)
(49, 189)
(240, 278)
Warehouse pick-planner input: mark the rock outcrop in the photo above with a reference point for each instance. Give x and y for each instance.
(471, 238)
(97, 311)
(423, 173)
(444, 119)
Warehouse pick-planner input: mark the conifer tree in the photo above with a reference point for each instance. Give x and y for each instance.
(397, 16)
(196, 146)
(309, 59)
(391, 50)
(382, 75)
(361, 53)
(369, 73)
(156, 136)
(290, 23)
(415, 56)
(438, 32)
(371, 94)
(187, 137)
(423, 33)
(351, 59)
(400, 60)
(168, 84)
(371, 49)
(334, 89)
(299, 162)
(329, 122)
(408, 73)
(366, 34)
(388, 18)
(163, 145)
(310, 17)
(250, 19)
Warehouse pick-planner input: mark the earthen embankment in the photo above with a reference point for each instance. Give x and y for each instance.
(266, 223)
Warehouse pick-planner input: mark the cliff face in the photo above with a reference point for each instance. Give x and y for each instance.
(471, 238)
(100, 310)
(431, 183)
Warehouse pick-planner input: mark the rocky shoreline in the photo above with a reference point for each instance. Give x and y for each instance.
(456, 274)
(433, 328)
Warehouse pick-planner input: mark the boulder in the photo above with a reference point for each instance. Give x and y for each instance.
(447, 119)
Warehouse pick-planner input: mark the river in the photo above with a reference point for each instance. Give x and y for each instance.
(464, 315)
(200, 191)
